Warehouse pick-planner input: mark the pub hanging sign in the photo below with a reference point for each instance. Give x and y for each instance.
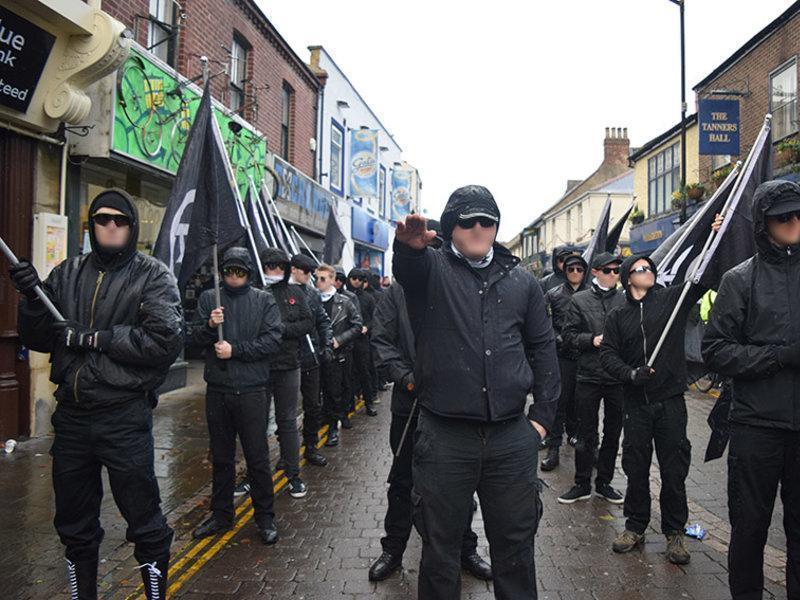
(719, 127)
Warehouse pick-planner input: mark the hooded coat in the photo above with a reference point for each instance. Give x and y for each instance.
(558, 303)
(557, 277)
(130, 298)
(756, 313)
(632, 331)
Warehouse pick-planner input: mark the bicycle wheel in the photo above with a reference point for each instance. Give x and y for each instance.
(132, 88)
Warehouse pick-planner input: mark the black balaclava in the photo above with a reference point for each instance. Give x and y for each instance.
(109, 259)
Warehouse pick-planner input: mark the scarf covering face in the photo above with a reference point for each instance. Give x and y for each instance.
(273, 279)
(328, 294)
(475, 264)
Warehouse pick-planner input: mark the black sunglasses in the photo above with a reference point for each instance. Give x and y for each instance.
(786, 217)
(575, 269)
(235, 271)
(103, 219)
(642, 269)
(273, 265)
(609, 270)
(485, 222)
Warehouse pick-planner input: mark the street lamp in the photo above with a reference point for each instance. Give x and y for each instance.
(681, 4)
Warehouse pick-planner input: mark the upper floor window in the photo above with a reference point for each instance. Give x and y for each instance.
(161, 31)
(238, 73)
(336, 168)
(663, 178)
(783, 100)
(286, 119)
(382, 190)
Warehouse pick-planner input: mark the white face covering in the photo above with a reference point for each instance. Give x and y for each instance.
(328, 294)
(597, 283)
(475, 264)
(273, 279)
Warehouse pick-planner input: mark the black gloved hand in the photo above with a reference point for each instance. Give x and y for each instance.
(327, 355)
(407, 383)
(78, 337)
(25, 278)
(789, 356)
(641, 375)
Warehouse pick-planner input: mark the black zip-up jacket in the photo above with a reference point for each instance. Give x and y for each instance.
(345, 321)
(558, 300)
(393, 343)
(253, 328)
(756, 313)
(297, 323)
(134, 300)
(366, 307)
(321, 334)
(632, 331)
(482, 344)
(557, 277)
(585, 319)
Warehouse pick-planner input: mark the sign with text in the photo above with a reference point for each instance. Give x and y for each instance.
(24, 50)
(719, 127)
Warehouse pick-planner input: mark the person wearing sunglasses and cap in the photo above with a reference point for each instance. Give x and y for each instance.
(558, 277)
(124, 329)
(362, 356)
(484, 341)
(558, 301)
(583, 331)
(754, 338)
(237, 375)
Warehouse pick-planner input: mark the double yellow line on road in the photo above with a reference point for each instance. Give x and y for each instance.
(197, 553)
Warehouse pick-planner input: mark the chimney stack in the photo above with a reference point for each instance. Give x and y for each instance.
(616, 146)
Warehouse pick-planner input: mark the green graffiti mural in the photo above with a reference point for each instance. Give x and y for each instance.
(154, 112)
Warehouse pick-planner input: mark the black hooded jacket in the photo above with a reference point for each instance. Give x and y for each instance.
(558, 301)
(585, 318)
(557, 277)
(632, 331)
(253, 328)
(132, 298)
(298, 322)
(756, 313)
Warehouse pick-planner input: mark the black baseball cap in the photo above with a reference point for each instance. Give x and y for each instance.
(605, 258)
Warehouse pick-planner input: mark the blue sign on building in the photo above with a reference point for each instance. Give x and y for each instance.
(719, 127)
(369, 230)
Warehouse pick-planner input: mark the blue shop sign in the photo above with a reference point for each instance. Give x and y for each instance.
(648, 236)
(719, 127)
(369, 230)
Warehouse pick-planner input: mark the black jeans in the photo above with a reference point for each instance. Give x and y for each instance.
(588, 397)
(567, 414)
(120, 439)
(398, 520)
(361, 368)
(662, 424)
(245, 415)
(334, 390)
(451, 460)
(284, 389)
(759, 459)
(312, 406)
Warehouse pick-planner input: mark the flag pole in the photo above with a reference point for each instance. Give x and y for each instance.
(38, 289)
(741, 179)
(260, 208)
(289, 240)
(303, 242)
(250, 238)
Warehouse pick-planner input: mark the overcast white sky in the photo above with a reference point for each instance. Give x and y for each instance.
(516, 95)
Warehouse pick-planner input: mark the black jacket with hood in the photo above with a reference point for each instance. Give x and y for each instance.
(585, 319)
(632, 331)
(756, 313)
(298, 322)
(253, 328)
(393, 343)
(484, 341)
(557, 277)
(558, 301)
(132, 299)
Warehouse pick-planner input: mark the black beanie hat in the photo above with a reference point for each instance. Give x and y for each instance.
(468, 201)
(274, 256)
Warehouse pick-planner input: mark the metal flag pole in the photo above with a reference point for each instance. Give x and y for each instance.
(289, 240)
(303, 242)
(701, 261)
(246, 222)
(38, 289)
(254, 195)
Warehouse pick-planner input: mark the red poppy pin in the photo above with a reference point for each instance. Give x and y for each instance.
(291, 299)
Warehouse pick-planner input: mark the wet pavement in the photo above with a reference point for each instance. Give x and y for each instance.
(329, 538)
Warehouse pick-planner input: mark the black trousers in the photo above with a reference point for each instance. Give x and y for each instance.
(284, 389)
(361, 368)
(662, 424)
(244, 415)
(588, 397)
(312, 406)
(373, 371)
(120, 439)
(349, 381)
(451, 460)
(334, 390)
(398, 521)
(567, 413)
(759, 459)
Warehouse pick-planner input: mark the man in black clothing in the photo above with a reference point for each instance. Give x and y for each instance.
(558, 300)
(484, 342)
(393, 342)
(349, 377)
(311, 358)
(583, 331)
(346, 326)
(237, 373)
(361, 351)
(123, 330)
(557, 277)
(655, 409)
(284, 378)
(754, 338)
(372, 286)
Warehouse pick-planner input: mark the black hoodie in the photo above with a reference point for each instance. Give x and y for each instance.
(131, 299)
(557, 277)
(632, 331)
(756, 313)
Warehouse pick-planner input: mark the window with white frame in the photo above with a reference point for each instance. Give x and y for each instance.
(720, 160)
(286, 120)
(783, 100)
(663, 178)
(569, 225)
(580, 219)
(335, 170)
(160, 30)
(238, 73)
(382, 190)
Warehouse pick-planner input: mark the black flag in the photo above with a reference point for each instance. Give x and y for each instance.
(202, 208)
(616, 232)
(334, 238)
(600, 236)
